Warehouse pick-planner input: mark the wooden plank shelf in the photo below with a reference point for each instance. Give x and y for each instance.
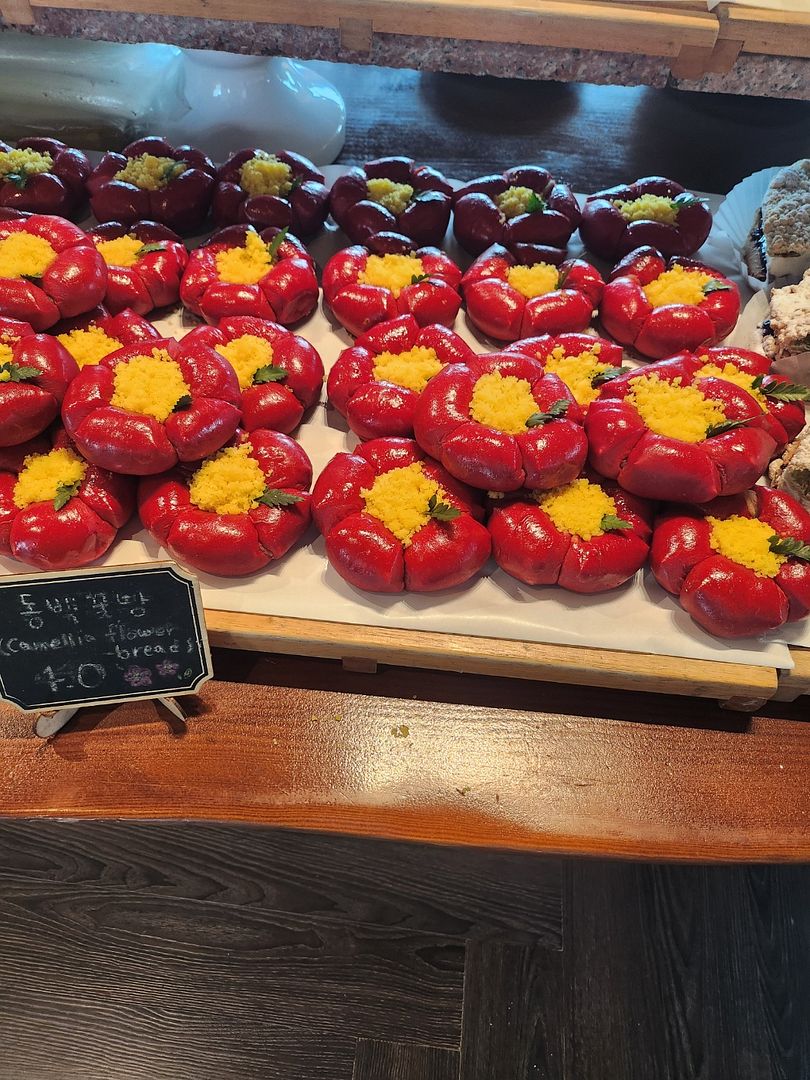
(738, 686)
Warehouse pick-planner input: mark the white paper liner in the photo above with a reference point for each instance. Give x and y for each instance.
(638, 617)
(736, 216)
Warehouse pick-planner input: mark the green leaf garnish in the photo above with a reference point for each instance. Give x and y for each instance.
(147, 249)
(727, 425)
(276, 242)
(781, 391)
(18, 179)
(440, 511)
(715, 286)
(535, 203)
(610, 522)
(17, 372)
(789, 545)
(182, 403)
(269, 373)
(416, 278)
(277, 497)
(171, 172)
(686, 199)
(555, 411)
(607, 375)
(64, 493)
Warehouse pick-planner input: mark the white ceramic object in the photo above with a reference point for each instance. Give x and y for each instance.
(273, 103)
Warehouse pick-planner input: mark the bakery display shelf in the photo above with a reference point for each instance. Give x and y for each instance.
(696, 41)
(743, 687)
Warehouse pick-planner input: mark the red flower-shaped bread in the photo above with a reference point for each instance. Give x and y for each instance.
(661, 307)
(144, 408)
(394, 519)
(49, 270)
(653, 211)
(58, 512)
(151, 180)
(525, 209)
(508, 299)
(376, 382)
(284, 189)
(241, 272)
(500, 422)
(35, 371)
(740, 566)
(778, 399)
(392, 195)
(145, 262)
(235, 513)
(588, 536)
(663, 435)
(42, 176)
(89, 338)
(363, 288)
(584, 363)
(280, 374)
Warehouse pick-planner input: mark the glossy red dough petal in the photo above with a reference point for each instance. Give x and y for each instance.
(526, 544)
(603, 562)
(683, 472)
(366, 554)
(679, 543)
(224, 545)
(336, 494)
(444, 554)
(59, 539)
(732, 601)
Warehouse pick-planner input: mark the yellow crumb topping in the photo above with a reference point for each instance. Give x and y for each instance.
(578, 372)
(24, 255)
(230, 483)
(244, 265)
(264, 174)
(503, 402)
(246, 354)
(42, 475)
(578, 508)
(150, 385)
(89, 346)
(24, 162)
(534, 280)
(514, 201)
(394, 197)
(679, 412)
(399, 499)
(648, 208)
(731, 373)
(677, 286)
(150, 173)
(392, 272)
(745, 541)
(412, 369)
(6, 357)
(123, 251)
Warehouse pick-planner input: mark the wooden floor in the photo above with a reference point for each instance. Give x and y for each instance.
(190, 951)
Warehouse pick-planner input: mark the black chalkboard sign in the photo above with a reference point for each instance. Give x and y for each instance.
(85, 637)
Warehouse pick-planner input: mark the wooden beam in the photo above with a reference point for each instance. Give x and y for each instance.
(17, 12)
(777, 33)
(491, 656)
(794, 683)
(604, 26)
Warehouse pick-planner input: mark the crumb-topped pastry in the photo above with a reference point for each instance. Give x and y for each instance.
(786, 331)
(779, 242)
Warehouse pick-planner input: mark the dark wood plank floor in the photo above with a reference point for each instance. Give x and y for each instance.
(149, 951)
(593, 136)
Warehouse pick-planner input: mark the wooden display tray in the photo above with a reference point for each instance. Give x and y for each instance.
(697, 42)
(737, 686)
